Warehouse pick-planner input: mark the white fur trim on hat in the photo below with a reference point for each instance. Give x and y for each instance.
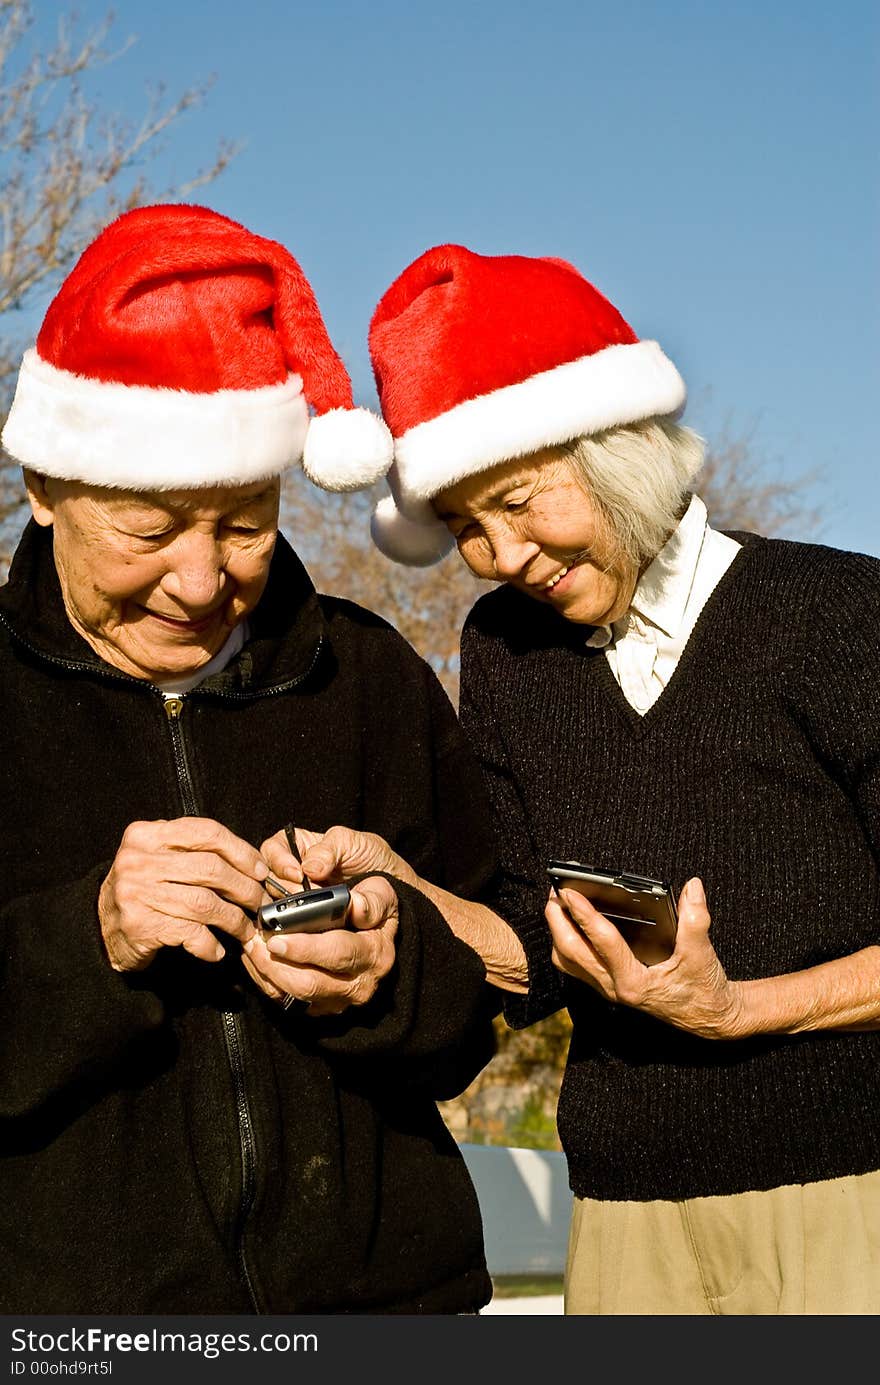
(618, 385)
(136, 437)
(416, 542)
(347, 449)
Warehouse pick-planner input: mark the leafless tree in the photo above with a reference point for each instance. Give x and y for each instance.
(67, 167)
(427, 605)
(741, 492)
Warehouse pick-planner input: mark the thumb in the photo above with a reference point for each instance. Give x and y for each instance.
(373, 902)
(696, 895)
(320, 861)
(305, 838)
(693, 911)
(344, 851)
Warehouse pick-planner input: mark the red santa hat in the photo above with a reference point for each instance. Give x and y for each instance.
(184, 351)
(479, 359)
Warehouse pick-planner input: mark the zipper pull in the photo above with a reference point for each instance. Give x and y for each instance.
(173, 707)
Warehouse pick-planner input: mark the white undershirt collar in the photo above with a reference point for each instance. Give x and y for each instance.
(176, 687)
(643, 647)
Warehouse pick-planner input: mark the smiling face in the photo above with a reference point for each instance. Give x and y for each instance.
(531, 523)
(155, 582)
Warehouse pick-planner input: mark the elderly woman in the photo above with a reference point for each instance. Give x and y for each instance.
(651, 696)
(196, 1121)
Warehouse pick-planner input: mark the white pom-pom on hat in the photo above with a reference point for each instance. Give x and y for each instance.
(347, 449)
(416, 542)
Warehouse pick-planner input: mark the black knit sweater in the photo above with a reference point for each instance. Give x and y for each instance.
(758, 769)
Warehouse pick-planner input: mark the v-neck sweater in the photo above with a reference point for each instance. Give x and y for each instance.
(758, 769)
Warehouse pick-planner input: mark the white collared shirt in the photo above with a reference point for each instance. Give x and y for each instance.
(176, 687)
(645, 645)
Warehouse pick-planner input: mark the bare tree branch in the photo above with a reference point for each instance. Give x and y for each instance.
(427, 605)
(736, 486)
(66, 170)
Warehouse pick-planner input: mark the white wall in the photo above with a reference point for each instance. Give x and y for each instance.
(526, 1204)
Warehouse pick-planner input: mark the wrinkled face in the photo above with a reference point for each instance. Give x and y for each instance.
(531, 523)
(155, 582)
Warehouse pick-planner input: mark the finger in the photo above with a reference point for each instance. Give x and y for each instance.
(132, 944)
(138, 874)
(198, 905)
(283, 864)
(373, 901)
(575, 953)
(281, 861)
(568, 940)
(201, 943)
(338, 950)
(258, 965)
(330, 855)
(305, 838)
(204, 870)
(561, 923)
(278, 980)
(345, 851)
(205, 834)
(322, 864)
(271, 973)
(606, 941)
(194, 938)
(255, 975)
(326, 991)
(567, 934)
(599, 929)
(331, 970)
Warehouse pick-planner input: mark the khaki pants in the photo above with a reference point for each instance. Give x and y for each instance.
(801, 1250)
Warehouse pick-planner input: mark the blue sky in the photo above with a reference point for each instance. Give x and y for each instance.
(711, 168)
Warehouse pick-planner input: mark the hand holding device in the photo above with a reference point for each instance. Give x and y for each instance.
(332, 966)
(303, 911)
(332, 856)
(641, 908)
(695, 995)
(172, 884)
(307, 911)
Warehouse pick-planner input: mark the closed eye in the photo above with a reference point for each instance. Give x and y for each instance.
(158, 537)
(459, 531)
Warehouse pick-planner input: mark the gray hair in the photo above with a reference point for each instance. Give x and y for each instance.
(638, 477)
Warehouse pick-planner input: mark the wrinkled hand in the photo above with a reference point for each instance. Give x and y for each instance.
(690, 990)
(331, 857)
(169, 881)
(335, 969)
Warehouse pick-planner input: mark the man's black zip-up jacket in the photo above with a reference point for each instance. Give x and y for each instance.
(173, 1141)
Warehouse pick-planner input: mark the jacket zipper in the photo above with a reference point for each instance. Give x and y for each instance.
(231, 1026)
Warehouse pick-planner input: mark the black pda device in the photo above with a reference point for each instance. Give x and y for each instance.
(306, 911)
(642, 909)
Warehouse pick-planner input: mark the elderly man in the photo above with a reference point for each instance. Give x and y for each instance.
(196, 1121)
